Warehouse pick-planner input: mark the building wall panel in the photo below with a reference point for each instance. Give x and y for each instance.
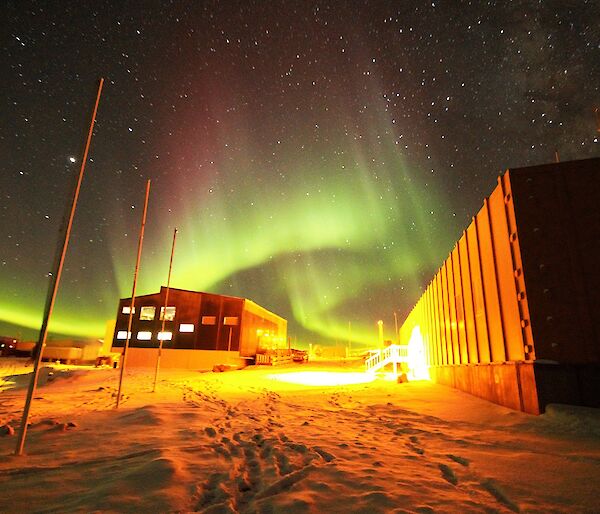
(559, 234)
(581, 191)
(261, 329)
(452, 311)
(517, 262)
(188, 305)
(207, 334)
(186, 312)
(424, 329)
(481, 325)
(181, 358)
(469, 311)
(429, 332)
(447, 319)
(490, 285)
(433, 349)
(440, 317)
(460, 307)
(436, 321)
(505, 273)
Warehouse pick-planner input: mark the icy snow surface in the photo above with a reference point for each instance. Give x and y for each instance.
(252, 441)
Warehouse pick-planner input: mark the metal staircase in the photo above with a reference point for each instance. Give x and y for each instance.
(393, 354)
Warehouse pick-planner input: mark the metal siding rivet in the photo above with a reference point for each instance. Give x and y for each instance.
(518, 272)
(524, 323)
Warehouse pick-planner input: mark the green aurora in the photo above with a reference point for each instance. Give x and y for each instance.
(320, 160)
(319, 246)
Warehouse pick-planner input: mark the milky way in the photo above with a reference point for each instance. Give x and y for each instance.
(320, 158)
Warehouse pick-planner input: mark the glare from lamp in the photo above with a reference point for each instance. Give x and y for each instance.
(323, 378)
(417, 361)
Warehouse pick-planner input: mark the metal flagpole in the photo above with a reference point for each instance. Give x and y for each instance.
(132, 305)
(162, 329)
(54, 286)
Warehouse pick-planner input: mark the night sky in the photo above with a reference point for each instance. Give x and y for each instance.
(319, 158)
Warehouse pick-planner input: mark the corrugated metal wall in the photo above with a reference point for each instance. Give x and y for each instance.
(475, 309)
(525, 268)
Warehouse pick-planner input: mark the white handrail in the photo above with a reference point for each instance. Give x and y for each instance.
(393, 353)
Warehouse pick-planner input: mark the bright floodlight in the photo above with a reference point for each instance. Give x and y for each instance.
(417, 361)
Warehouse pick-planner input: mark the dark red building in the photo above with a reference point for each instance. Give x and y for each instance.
(197, 322)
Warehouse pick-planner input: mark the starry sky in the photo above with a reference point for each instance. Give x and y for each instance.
(320, 158)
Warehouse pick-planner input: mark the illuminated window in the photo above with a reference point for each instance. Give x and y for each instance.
(165, 336)
(186, 327)
(170, 313)
(127, 309)
(147, 313)
(209, 320)
(122, 334)
(144, 336)
(230, 320)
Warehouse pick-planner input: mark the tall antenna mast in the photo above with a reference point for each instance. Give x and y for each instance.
(161, 335)
(132, 305)
(39, 348)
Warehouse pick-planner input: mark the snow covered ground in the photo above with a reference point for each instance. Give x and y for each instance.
(262, 440)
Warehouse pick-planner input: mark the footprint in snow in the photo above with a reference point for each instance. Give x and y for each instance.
(415, 448)
(448, 474)
(283, 464)
(496, 491)
(460, 460)
(327, 457)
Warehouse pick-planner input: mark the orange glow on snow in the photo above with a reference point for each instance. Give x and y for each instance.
(323, 378)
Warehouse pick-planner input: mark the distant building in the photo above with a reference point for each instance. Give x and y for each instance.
(512, 314)
(201, 329)
(8, 346)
